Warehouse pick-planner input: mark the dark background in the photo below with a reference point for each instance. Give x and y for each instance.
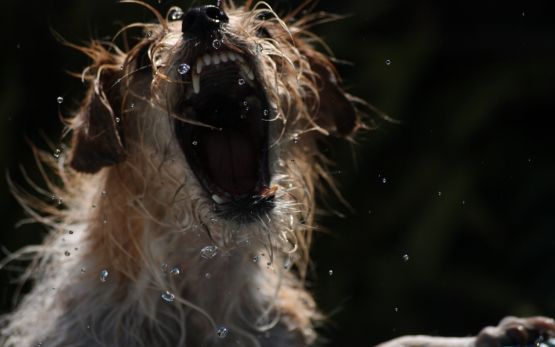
(469, 173)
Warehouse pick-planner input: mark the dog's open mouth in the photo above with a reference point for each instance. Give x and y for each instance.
(228, 150)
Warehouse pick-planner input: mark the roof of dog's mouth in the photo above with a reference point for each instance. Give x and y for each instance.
(229, 154)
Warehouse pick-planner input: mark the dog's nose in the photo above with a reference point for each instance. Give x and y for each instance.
(203, 20)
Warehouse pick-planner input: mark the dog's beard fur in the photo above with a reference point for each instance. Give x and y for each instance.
(144, 211)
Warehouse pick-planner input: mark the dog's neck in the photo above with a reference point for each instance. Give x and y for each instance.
(213, 273)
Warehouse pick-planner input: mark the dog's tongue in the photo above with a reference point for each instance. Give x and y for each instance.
(231, 160)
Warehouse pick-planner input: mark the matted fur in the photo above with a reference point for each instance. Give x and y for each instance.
(144, 212)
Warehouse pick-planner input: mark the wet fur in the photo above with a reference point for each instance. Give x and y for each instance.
(130, 204)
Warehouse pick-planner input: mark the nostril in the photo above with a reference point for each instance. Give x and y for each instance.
(199, 20)
(216, 14)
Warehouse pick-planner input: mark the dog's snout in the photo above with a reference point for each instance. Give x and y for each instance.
(202, 20)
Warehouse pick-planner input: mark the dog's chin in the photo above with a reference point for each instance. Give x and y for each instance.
(228, 151)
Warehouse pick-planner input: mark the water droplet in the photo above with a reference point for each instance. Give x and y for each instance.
(207, 275)
(118, 120)
(384, 180)
(60, 99)
(67, 254)
(266, 112)
(176, 13)
(195, 143)
(388, 62)
(216, 44)
(241, 81)
(396, 309)
(57, 153)
(183, 68)
(405, 257)
(222, 332)
(175, 271)
(439, 193)
(167, 296)
(209, 252)
(104, 275)
(295, 138)
(132, 105)
(330, 272)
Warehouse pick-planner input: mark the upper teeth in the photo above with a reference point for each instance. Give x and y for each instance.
(216, 59)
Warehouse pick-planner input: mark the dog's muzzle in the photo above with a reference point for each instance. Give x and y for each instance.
(229, 152)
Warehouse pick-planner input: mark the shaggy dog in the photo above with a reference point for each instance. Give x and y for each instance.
(189, 191)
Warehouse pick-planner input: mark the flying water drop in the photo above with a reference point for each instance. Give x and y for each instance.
(167, 296)
(209, 252)
(104, 275)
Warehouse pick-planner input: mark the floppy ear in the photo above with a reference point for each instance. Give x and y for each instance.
(335, 113)
(96, 140)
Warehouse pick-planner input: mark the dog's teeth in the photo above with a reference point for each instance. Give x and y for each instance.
(223, 57)
(196, 83)
(206, 59)
(247, 71)
(231, 56)
(217, 199)
(215, 59)
(199, 66)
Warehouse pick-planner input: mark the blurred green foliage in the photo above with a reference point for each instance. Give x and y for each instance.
(463, 185)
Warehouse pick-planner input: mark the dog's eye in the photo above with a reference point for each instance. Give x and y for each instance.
(263, 32)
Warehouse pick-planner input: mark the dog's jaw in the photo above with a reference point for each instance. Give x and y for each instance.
(228, 146)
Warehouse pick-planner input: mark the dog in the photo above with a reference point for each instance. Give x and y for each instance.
(187, 196)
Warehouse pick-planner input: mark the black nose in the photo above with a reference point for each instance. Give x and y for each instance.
(203, 20)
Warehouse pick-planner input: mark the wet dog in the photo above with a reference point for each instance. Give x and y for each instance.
(189, 190)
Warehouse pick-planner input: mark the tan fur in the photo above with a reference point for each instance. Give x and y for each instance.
(148, 214)
(135, 209)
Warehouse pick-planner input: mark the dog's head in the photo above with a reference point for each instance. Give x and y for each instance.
(243, 98)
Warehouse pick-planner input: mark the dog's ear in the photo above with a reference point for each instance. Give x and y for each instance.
(96, 140)
(335, 113)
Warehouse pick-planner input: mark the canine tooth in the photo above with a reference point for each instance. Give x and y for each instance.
(247, 71)
(196, 83)
(206, 59)
(217, 199)
(231, 56)
(216, 59)
(223, 57)
(199, 66)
